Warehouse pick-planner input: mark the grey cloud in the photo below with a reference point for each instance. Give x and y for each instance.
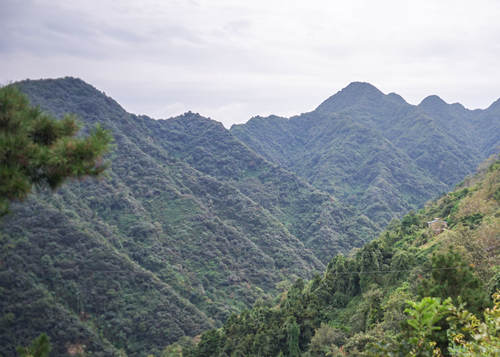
(231, 60)
(49, 30)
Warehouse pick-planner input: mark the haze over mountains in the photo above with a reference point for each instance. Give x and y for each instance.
(195, 221)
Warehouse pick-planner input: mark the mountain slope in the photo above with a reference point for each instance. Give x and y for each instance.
(351, 161)
(189, 226)
(361, 299)
(488, 129)
(61, 277)
(376, 151)
(196, 248)
(322, 223)
(194, 223)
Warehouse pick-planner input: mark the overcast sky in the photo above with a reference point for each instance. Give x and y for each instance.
(231, 60)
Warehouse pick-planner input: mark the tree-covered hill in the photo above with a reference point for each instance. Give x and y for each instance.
(189, 226)
(389, 298)
(194, 222)
(322, 223)
(376, 151)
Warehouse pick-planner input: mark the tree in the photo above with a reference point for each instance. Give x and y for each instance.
(210, 344)
(469, 336)
(451, 276)
(326, 340)
(419, 333)
(40, 347)
(293, 333)
(466, 334)
(38, 150)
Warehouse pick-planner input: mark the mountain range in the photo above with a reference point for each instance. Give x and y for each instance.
(375, 151)
(195, 222)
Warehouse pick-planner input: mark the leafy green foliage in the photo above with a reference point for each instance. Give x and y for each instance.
(209, 344)
(466, 335)
(191, 228)
(36, 149)
(469, 336)
(368, 303)
(423, 317)
(450, 276)
(326, 340)
(157, 249)
(293, 332)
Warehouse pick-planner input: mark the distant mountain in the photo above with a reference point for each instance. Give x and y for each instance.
(376, 151)
(317, 219)
(189, 226)
(195, 222)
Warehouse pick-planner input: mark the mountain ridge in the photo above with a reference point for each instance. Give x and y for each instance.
(364, 303)
(440, 142)
(205, 221)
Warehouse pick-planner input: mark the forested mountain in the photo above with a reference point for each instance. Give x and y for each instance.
(323, 224)
(376, 151)
(189, 226)
(402, 294)
(194, 222)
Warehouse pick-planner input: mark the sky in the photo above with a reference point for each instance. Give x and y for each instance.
(232, 60)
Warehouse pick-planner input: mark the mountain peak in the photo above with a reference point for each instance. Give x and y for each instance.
(396, 98)
(67, 83)
(85, 97)
(361, 88)
(432, 101)
(350, 95)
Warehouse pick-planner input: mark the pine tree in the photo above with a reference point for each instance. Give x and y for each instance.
(39, 150)
(451, 276)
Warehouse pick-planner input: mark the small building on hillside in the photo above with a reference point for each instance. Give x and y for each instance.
(437, 225)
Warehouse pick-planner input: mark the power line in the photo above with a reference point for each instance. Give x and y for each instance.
(392, 271)
(336, 273)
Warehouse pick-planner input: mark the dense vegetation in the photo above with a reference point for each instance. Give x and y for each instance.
(179, 235)
(401, 294)
(36, 149)
(375, 151)
(322, 223)
(191, 226)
